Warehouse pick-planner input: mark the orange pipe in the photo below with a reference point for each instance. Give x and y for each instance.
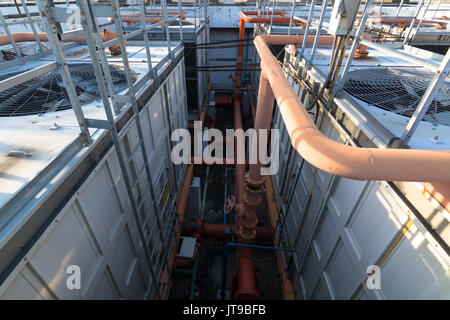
(268, 13)
(439, 25)
(184, 194)
(29, 37)
(212, 230)
(244, 18)
(246, 274)
(334, 157)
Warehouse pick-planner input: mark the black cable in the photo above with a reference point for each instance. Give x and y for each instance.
(222, 47)
(220, 42)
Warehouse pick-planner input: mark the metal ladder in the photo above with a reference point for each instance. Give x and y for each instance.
(53, 17)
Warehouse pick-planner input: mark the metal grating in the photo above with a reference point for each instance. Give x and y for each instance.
(46, 93)
(399, 91)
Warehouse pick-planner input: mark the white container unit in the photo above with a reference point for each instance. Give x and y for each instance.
(96, 231)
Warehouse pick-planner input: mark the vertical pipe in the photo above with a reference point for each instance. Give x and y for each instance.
(226, 195)
(241, 40)
(246, 275)
(263, 118)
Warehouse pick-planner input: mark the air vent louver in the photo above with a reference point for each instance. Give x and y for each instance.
(399, 91)
(46, 93)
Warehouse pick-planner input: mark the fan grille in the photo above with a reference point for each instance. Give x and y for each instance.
(399, 91)
(46, 93)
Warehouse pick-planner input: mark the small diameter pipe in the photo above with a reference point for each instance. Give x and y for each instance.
(245, 245)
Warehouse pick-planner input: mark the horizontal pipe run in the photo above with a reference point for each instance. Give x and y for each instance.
(336, 158)
(29, 37)
(402, 21)
(235, 244)
(214, 162)
(217, 231)
(222, 100)
(244, 16)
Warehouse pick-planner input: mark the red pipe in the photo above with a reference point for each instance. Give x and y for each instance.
(246, 275)
(216, 162)
(221, 100)
(199, 229)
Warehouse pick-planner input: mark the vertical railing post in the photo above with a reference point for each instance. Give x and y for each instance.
(411, 26)
(427, 98)
(319, 29)
(292, 16)
(308, 24)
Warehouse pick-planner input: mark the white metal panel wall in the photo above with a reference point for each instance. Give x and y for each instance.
(96, 230)
(342, 226)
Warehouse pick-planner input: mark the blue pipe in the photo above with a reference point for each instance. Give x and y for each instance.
(225, 197)
(235, 244)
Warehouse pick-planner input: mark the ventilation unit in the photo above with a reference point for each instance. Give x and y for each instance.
(46, 93)
(399, 91)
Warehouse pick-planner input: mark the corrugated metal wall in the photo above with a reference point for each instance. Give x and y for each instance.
(96, 230)
(342, 226)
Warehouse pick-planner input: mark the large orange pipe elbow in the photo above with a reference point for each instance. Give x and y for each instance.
(334, 157)
(244, 18)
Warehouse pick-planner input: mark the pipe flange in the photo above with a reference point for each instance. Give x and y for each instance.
(254, 189)
(257, 200)
(243, 236)
(254, 184)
